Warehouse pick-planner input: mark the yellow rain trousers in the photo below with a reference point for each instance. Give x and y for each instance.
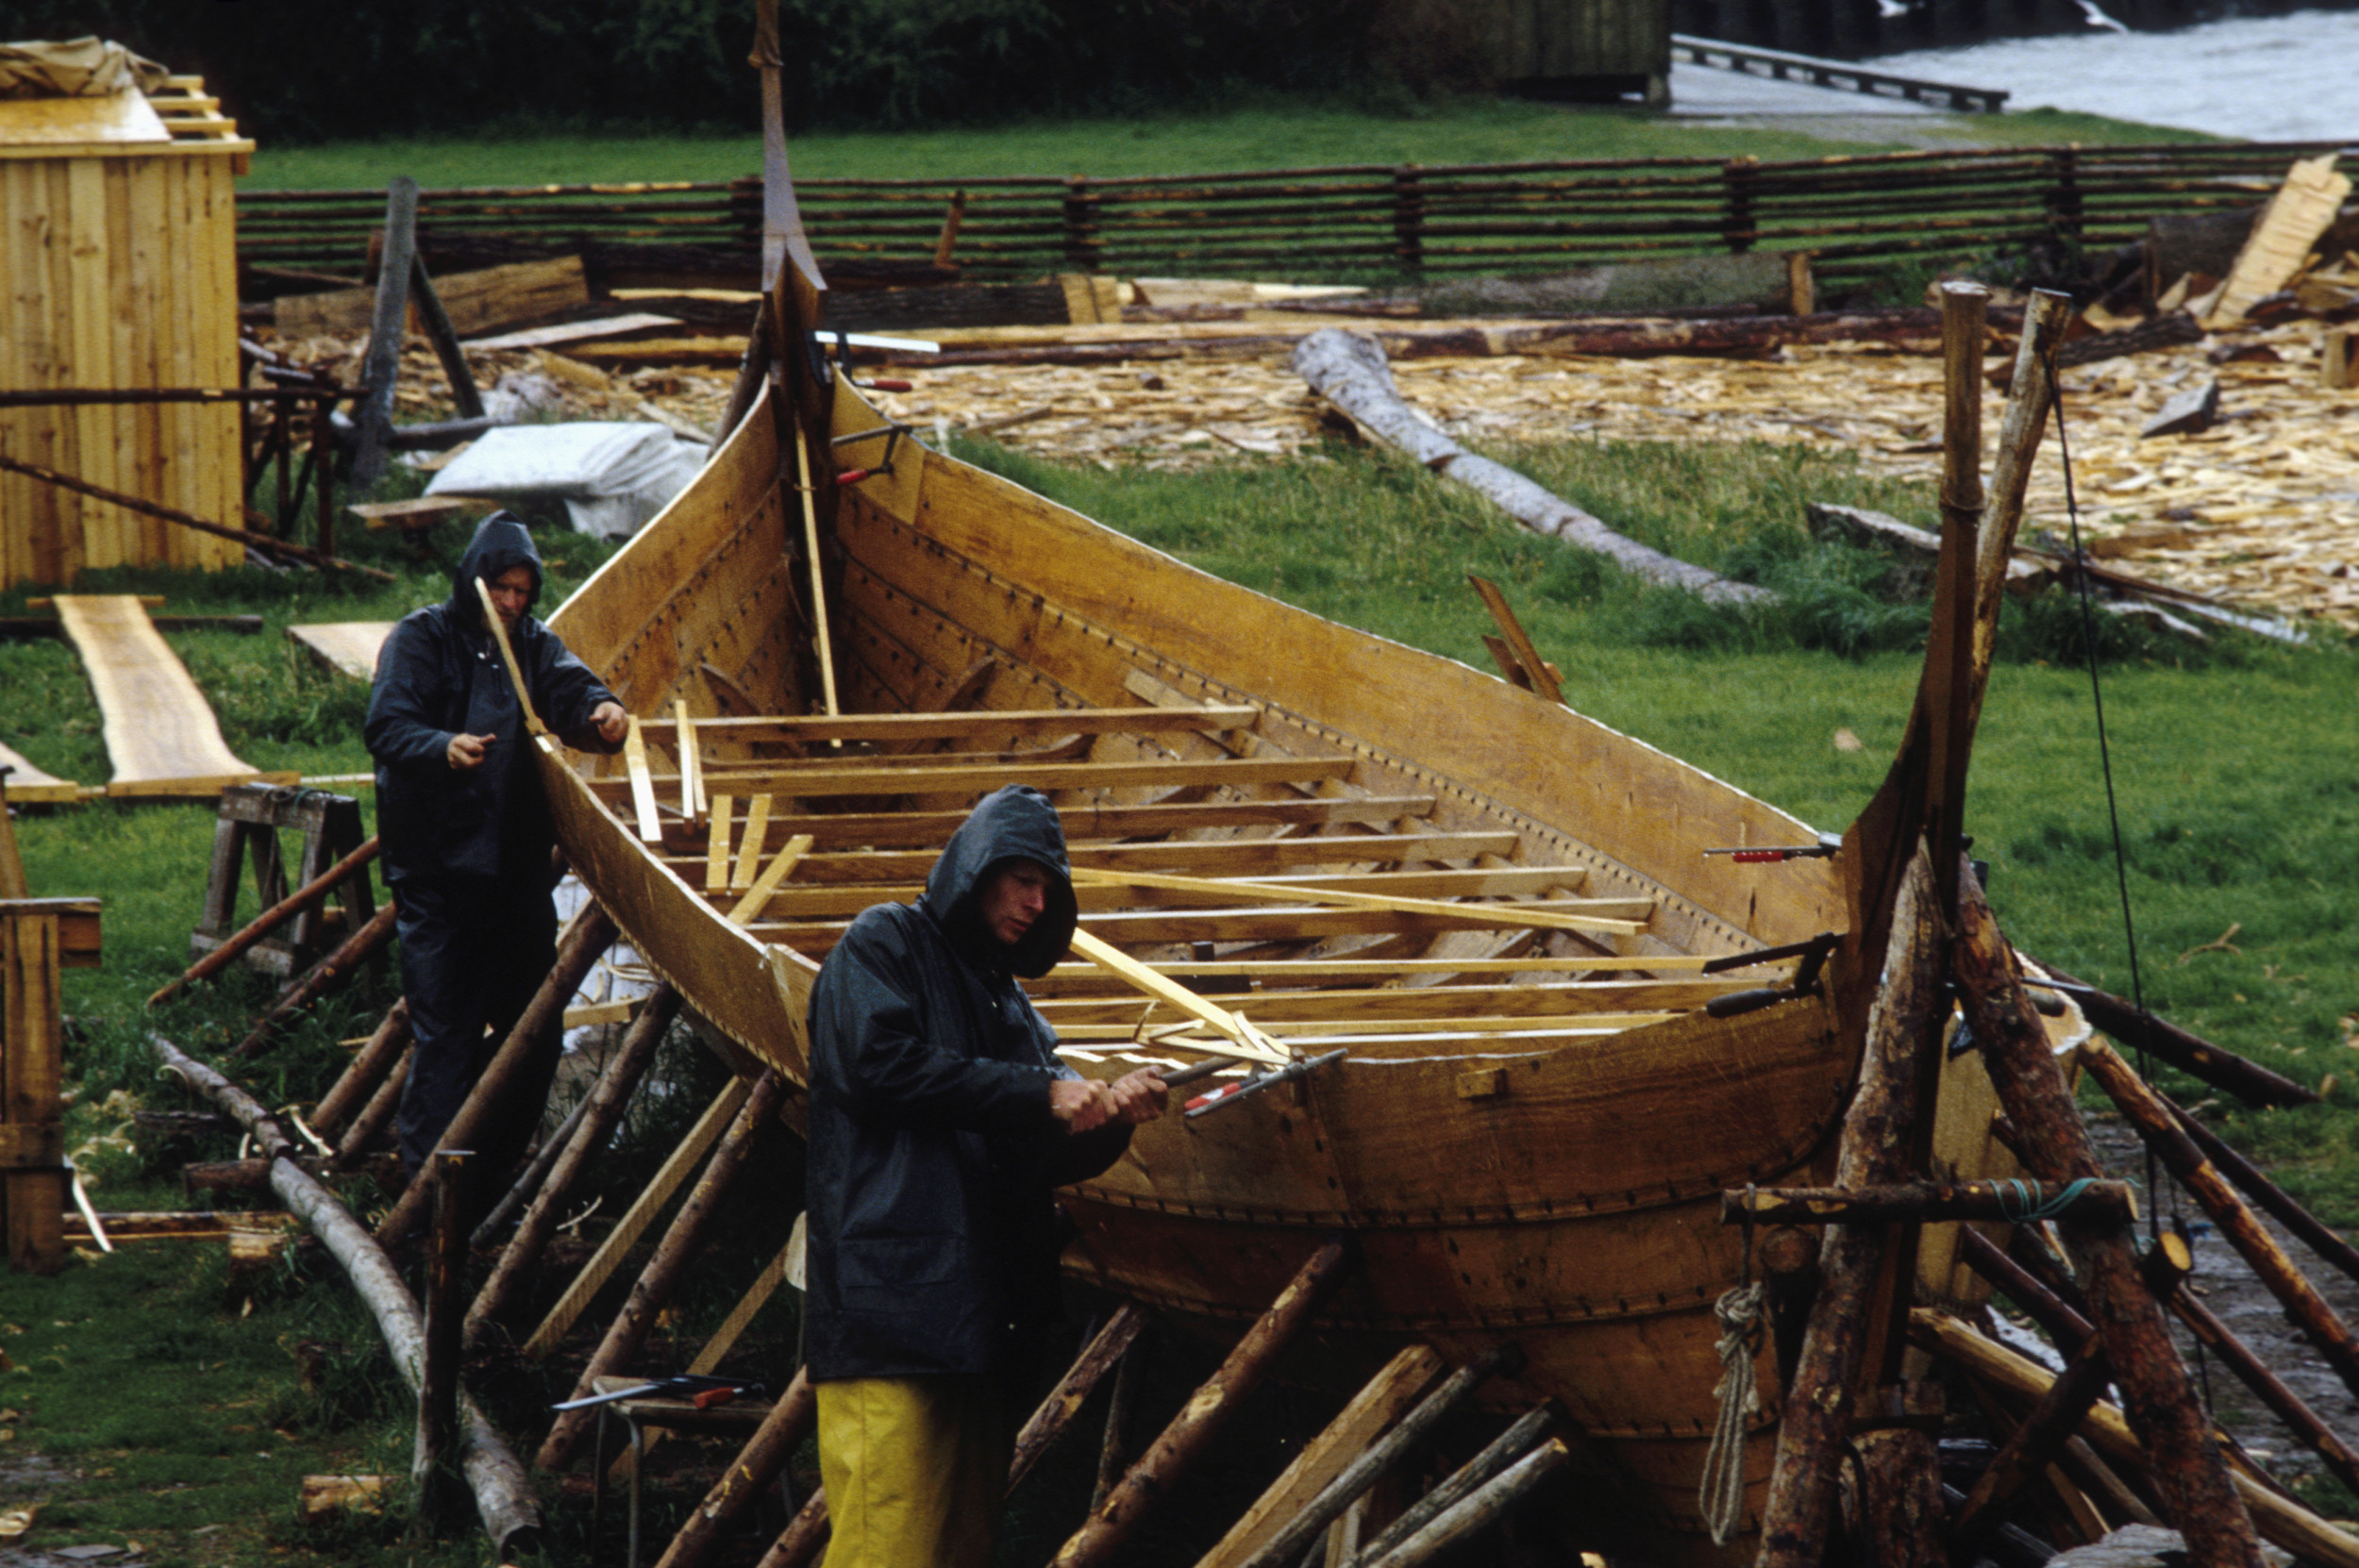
(914, 1469)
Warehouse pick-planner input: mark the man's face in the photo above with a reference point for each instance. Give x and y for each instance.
(510, 591)
(1016, 895)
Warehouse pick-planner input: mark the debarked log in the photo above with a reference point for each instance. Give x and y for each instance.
(502, 1496)
(1928, 1201)
(1348, 369)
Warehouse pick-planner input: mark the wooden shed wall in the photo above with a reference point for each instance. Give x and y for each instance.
(1560, 40)
(120, 272)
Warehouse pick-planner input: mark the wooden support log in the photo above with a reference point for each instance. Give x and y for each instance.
(268, 543)
(2139, 1030)
(436, 320)
(2059, 1319)
(2150, 1113)
(2313, 1233)
(1349, 371)
(253, 1175)
(1486, 1507)
(385, 1046)
(503, 1495)
(661, 1278)
(2288, 1406)
(376, 1116)
(1789, 1272)
(438, 1388)
(1877, 1134)
(1925, 1201)
(2283, 1522)
(1375, 1461)
(1899, 1481)
(1113, 1451)
(603, 1110)
(528, 1180)
(383, 369)
(1056, 1412)
(312, 892)
(756, 1466)
(2191, 1477)
(321, 978)
(586, 938)
(1168, 1457)
(1504, 1450)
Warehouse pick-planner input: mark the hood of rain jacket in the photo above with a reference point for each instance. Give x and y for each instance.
(933, 1234)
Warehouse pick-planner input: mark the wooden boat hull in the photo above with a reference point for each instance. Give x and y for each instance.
(1558, 1189)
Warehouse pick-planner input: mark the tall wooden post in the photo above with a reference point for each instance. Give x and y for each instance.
(430, 1471)
(38, 936)
(386, 331)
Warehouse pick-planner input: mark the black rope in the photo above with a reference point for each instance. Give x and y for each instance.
(2105, 759)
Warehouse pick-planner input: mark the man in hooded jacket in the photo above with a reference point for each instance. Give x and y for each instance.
(466, 829)
(941, 1119)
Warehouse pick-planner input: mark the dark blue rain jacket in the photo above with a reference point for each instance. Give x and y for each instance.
(933, 1235)
(441, 675)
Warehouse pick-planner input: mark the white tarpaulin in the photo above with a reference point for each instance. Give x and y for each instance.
(613, 478)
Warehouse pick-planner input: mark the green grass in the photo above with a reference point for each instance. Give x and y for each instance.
(2237, 768)
(1283, 135)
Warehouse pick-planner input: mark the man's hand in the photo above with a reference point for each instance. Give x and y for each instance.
(1138, 1097)
(1083, 1105)
(611, 722)
(465, 752)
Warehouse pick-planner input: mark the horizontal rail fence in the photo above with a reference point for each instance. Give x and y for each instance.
(1363, 223)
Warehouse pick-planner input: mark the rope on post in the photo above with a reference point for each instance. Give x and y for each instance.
(1722, 1494)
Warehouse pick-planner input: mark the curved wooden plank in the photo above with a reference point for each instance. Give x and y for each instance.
(160, 733)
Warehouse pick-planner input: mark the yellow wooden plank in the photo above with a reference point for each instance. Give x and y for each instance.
(717, 846)
(951, 726)
(780, 866)
(29, 785)
(691, 803)
(818, 584)
(156, 724)
(749, 849)
(348, 647)
(1539, 916)
(904, 776)
(642, 785)
(88, 278)
(1243, 1041)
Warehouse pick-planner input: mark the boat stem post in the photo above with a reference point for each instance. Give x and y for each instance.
(2157, 1396)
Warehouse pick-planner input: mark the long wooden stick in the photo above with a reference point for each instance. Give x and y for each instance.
(2192, 1478)
(366, 1069)
(268, 543)
(756, 1466)
(311, 893)
(2139, 1030)
(2307, 1227)
(1245, 1043)
(438, 1388)
(1056, 1412)
(503, 1494)
(2149, 1113)
(603, 1109)
(321, 978)
(1485, 1507)
(1160, 1468)
(376, 1116)
(586, 939)
(1878, 1132)
(387, 328)
(661, 1278)
(498, 630)
(818, 586)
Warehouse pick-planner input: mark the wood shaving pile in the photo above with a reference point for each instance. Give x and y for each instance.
(2262, 510)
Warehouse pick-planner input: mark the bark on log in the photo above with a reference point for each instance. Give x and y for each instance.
(528, 1181)
(1168, 1457)
(2306, 1226)
(2283, 1522)
(2191, 1054)
(1113, 1448)
(2150, 1113)
(804, 1536)
(586, 938)
(376, 1116)
(1374, 1462)
(437, 1386)
(321, 978)
(253, 1175)
(2175, 330)
(1056, 1412)
(1486, 1507)
(1348, 369)
(1919, 1201)
(1878, 1132)
(661, 1278)
(756, 1466)
(2193, 1478)
(386, 1045)
(2028, 1449)
(314, 892)
(502, 1496)
(604, 1107)
(1901, 1472)
(1509, 1446)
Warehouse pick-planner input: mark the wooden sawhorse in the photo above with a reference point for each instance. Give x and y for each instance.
(251, 816)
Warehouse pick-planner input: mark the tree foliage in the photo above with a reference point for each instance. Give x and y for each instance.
(290, 69)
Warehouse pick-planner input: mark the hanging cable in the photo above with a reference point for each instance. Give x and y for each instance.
(2105, 757)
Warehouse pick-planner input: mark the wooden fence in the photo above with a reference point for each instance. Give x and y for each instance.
(1361, 223)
